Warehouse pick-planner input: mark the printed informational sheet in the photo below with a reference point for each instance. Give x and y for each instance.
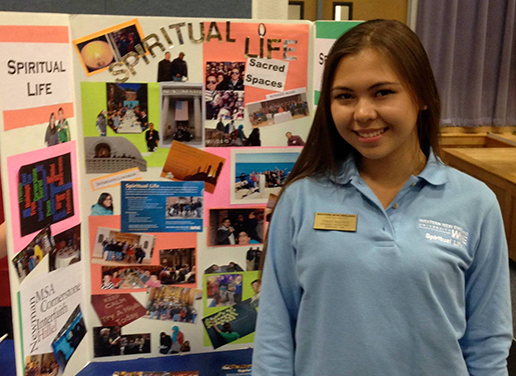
(156, 206)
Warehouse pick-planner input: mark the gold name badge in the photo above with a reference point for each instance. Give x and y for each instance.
(337, 222)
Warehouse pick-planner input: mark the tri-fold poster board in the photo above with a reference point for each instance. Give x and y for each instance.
(140, 159)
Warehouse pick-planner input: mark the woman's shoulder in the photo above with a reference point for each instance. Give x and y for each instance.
(467, 187)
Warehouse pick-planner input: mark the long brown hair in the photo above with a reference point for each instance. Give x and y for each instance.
(325, 147)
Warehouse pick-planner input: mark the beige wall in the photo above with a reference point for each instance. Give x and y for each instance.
(362, 9)
(370, 9)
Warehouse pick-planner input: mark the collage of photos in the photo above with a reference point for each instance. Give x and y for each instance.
(113, 247)
(182, 117)
(278, 110)
(127, 109)
(97, 51)
(255, 174)
(69, 338)
(224, 95)
(171, 303)
(109, 341)
(236, 227)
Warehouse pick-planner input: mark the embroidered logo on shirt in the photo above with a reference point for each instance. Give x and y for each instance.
(446, 233)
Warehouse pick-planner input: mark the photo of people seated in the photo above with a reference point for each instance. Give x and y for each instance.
(236, 227)
(127, 108)
(278, 110)
(67, 248)
(41, 365)
(229, 268)
(223, 290)
(184, 207)
(178, 266)
(173, 304)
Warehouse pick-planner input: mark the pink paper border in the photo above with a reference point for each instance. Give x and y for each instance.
(14, 164)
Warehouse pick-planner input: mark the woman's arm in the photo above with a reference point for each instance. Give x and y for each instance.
(274, 347)
(488, 336)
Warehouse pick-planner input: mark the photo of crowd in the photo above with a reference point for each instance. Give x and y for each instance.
(224, 94)
(109, 341)
(127, 110)
(27, 259)
(178, 266)
(223, 290)
(113, 247)
(184, 207)
(236, 227)
(41, 365)
(278, 110)
(257, 175)
(173, 304)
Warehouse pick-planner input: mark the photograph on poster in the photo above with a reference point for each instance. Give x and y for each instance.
(236, 226)
(255, 174)
(111, 154)
(179, 266)
(127, 108)
(42, 365)
(275, 110)
(28, 258)
(230, 134)
(253, 258)
(113, 247)
(271, 204)
(224, 95)
(186, 163)
(58, 130)
(174, 344)
(46, 193)
(104, 205)
(109, 341)
(130, 277)
(69, 337)
(173, 304)
(223, 290)
(182, 113)
(230, 324)
(66, 250)
(97, 51)
(231, 267)
(184, 207)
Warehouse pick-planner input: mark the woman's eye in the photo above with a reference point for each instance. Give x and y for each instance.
(383, 93)
(343, 96)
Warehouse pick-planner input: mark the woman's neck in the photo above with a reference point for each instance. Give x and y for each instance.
(393, 170)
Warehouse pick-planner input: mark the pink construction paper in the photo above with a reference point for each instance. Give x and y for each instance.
(14, 164)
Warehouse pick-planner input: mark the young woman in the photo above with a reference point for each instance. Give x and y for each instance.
(51, 136)
(381, 260)
(104, 205)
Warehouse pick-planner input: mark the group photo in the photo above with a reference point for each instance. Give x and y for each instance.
(127, 109)
(236, 227)
(256, 175)
(278, 110)
(113, 247)
(223, 290)
(170, 303)
(184, 207)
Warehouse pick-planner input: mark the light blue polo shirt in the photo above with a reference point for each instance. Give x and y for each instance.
(420, 289)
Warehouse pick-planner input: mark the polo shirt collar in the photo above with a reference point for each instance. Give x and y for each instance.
(434, 172)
